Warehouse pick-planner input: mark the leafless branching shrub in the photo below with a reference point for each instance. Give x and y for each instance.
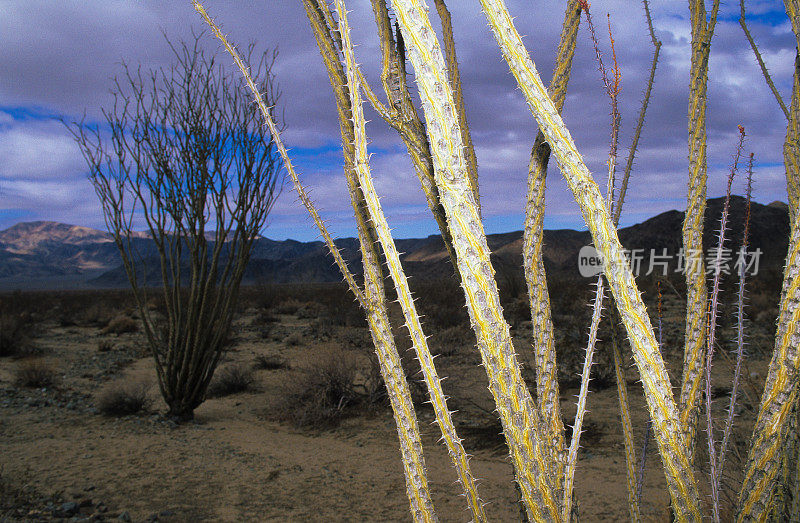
(183, 152)
(324, 393)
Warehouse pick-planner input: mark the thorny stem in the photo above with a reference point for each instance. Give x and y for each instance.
(712, 329)
(648, 424)
(740, 319)
(658, 391)
(612, 92)
(532, 454)
(455, 85)
(695, 274)
(761, 64)
(544, 359)
(623, 189)
(438, 401)
(397, 388)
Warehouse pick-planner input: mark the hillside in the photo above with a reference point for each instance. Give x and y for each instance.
(56, 255)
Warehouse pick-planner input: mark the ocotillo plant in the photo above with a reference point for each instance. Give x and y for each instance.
(445, 165)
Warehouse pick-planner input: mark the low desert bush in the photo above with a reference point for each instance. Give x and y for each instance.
(265, 317)
(124, 399)
(96, 315)
(321, 328)
(231, 379)
(356, 338)
(270, 362)
(288, 306)
(14, 339)
(324, 393)
(35, 373)
(517, 312)
(311, 310)
(451, 341)
(121, 325)
(441, 304)
(104, 346)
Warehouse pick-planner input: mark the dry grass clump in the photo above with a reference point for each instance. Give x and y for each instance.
(270, 362)
(120, 325)
(35, 373)
(124, 399)
(232, 379)
(324, 393)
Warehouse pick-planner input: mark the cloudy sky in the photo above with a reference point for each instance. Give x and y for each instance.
(58, 58)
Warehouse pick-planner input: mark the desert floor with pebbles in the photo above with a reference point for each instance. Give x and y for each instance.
(244, 459)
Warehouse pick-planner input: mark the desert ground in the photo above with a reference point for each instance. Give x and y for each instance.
(283, 448)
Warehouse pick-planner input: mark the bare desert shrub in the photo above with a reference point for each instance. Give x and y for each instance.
(124, 399)
(35, 373)
(121, 325)
(270, 362)
(324, 393)
(346, 313)
(441, 304)
(321, 328)
(288, 306)
(355, 338)
(14, 339)
(310, 310)
(517, 312)
(451, 341)
(265, 317)
(97, 315)
(231, 379)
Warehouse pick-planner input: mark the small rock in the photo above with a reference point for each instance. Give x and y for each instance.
(124, 516)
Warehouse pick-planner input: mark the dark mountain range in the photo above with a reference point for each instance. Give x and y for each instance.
(54, 255)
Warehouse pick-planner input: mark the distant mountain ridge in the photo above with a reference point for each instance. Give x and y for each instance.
(56, 255)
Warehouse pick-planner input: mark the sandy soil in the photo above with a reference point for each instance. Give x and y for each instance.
(237, 463)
